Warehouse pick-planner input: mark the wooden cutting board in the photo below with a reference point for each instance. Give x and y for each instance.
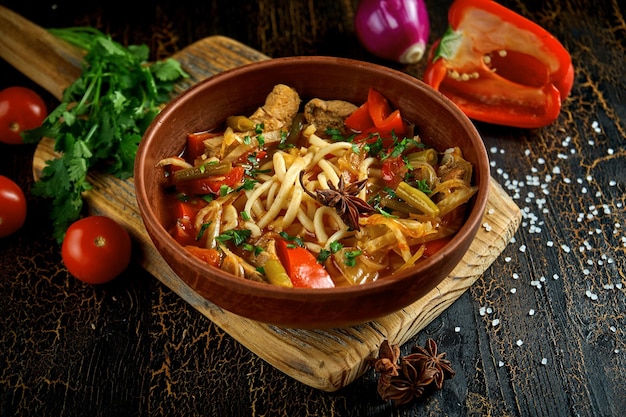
(323, 359)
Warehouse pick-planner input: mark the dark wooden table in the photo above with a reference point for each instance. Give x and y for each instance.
(542, 333)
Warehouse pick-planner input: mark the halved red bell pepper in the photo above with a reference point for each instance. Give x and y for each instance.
(499, 67)
(302, 267)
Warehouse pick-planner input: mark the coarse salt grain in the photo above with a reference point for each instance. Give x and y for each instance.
(544, 361)
(531, 312)
(519, 342)
(495, 322)
(501, 364)
(522, 248)
(513, 290)
(457, 329)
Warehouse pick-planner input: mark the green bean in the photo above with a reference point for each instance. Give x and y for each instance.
(296, 128)
(203, 171)
(398, 206)
(276, 273)
(239, 123)
(427, 155)
(417, 199)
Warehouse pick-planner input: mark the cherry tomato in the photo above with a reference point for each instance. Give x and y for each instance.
(12, 207)
(20, 109)
(96, 249)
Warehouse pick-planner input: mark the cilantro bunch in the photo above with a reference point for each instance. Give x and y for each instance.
(101, 118)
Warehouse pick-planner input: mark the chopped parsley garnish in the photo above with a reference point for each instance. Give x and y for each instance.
(237, 236)
(296, 240)
(202, 230)
(349, 257)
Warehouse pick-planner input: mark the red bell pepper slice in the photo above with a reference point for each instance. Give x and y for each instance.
(208, 255)
(359, 120)
(212, 185)
(375, 116)
(302, 267)
(185, 213)
(499, 67)
(195, 143)
(393, 171)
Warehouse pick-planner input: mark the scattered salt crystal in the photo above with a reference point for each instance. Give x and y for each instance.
(544, 361)
(549, 243)
(555, 276)
(507, 259)
(612, 183)
(515, 275)
(610, 151)
(489, 310)
(513, 290)
(522, 248)
(457, 329)
(487, 227)
(616, 351)
(501, 364)
(565, 248)
(520, 342)
(491, 211)
(495, 322)
(482, 310)
(531, 312)
(613, 329)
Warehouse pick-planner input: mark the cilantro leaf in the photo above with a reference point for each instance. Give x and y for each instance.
(101, 118)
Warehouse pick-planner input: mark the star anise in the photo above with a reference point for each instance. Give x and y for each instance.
(403, 378)
(386, 364)
(413, 381)
(435, 360)
(343, 199)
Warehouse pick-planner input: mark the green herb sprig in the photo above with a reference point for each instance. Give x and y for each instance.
(101, 118)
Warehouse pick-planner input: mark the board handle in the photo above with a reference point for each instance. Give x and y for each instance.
(49, 61)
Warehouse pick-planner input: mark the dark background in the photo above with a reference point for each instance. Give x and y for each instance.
(133, 347)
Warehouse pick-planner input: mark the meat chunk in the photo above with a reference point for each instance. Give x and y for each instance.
(326, 114)
(281, 106)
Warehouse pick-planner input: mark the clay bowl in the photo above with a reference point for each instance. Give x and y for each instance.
(240, 91)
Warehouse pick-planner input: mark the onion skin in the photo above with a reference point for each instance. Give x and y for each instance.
(395, 30)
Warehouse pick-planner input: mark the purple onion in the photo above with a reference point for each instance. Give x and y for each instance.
(395, 30)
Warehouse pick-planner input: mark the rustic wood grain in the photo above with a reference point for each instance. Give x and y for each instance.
(298, 353)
